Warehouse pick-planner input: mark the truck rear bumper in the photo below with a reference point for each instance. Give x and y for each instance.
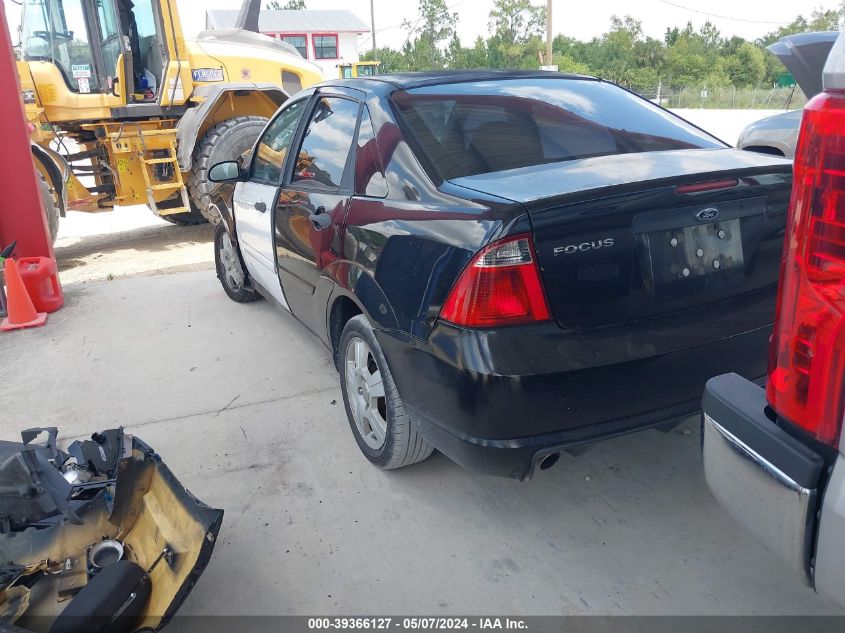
(765, 478)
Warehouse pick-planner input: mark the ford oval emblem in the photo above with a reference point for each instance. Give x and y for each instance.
(707, 215)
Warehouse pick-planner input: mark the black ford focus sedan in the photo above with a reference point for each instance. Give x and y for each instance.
(506, 264)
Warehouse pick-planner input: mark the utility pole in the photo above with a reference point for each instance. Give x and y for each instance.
(548, 32)
(373, 23)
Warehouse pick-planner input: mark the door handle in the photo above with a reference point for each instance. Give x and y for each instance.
(320, 219)
(260, 206)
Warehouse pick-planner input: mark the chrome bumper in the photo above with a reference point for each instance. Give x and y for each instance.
(763, 477)
(761, 497)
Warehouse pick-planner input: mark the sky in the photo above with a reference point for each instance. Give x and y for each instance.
(746, 18)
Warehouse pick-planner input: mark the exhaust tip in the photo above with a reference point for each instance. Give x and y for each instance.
(549, 461)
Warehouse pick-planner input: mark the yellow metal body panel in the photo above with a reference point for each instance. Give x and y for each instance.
(134, 155)
(134, 150)
(353, 70)
(244, 63)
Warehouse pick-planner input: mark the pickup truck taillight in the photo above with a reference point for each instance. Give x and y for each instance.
(807, 355)
(500, 286)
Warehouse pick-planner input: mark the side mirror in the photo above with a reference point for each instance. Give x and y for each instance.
(228, 171)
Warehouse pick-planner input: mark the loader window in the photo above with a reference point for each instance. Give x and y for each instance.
(108, 22)
(140, 25)
(110, 41)
(55, 31)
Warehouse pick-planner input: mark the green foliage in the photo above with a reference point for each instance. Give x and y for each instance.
(818, 20)
(516, 21)
(433, 26)
(686, 56)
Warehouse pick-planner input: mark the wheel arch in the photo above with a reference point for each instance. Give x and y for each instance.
(341, 310)
(219, 102)
(356, 292)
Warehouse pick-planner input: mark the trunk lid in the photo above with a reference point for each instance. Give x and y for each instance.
(617, 241)
(804, 56)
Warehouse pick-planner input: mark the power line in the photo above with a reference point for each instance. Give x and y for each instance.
(723, 17)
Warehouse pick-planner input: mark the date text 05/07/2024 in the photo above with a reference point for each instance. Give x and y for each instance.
(417, 623)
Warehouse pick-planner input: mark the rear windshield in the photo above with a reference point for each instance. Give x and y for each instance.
(488, 126)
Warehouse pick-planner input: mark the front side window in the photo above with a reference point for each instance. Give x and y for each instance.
(272, 148)
(55, 31)
(324, 152)
(298, 42)
(366, 70)
(325, 47)
(489, 126)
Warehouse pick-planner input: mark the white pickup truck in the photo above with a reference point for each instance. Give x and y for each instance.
(775, 458)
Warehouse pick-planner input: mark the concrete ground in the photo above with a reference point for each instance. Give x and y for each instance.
(244, 406)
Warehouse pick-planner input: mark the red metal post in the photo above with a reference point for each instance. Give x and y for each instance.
(21, 214)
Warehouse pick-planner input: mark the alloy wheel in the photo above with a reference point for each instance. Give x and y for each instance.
(365, 392)
(231, 266)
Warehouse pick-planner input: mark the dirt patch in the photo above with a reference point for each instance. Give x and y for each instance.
(125, 243)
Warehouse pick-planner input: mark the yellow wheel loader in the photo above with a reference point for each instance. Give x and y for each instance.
(126, 111)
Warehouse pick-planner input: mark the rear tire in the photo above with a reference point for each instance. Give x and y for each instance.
(374, 409)
(50, 209)
(230, 271)
(227, 140)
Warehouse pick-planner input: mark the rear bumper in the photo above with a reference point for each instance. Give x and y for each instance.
(773, 484)
(499, 402)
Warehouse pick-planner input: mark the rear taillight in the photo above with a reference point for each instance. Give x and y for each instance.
(500, 286)
(807, 363)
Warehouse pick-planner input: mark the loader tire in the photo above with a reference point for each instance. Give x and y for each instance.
(227, 140)
(187, 218)
(50, 209)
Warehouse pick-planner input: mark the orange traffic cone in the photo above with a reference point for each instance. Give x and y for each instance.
(21, 311)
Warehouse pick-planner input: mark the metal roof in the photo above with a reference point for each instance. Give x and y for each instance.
(292, 21)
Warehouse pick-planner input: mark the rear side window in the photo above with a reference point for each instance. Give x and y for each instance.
(488, 126)
(369, 174)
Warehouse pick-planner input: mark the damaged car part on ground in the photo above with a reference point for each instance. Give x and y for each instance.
(98, 537)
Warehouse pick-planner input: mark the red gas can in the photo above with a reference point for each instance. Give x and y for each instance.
(41, 277)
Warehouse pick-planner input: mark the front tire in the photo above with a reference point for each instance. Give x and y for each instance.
(230, 271)
(227, 140)
(374, 408)
(186, 218)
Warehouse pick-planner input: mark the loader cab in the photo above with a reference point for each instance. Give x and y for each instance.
(357, 69)
(99, 47)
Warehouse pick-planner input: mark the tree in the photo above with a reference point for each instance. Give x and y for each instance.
(459, 57)
(433, 26)
(819, 20)
(516, 21)
(685, 57)
(391, 61)
(296, 5)
(746, 67)
(516, 27)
